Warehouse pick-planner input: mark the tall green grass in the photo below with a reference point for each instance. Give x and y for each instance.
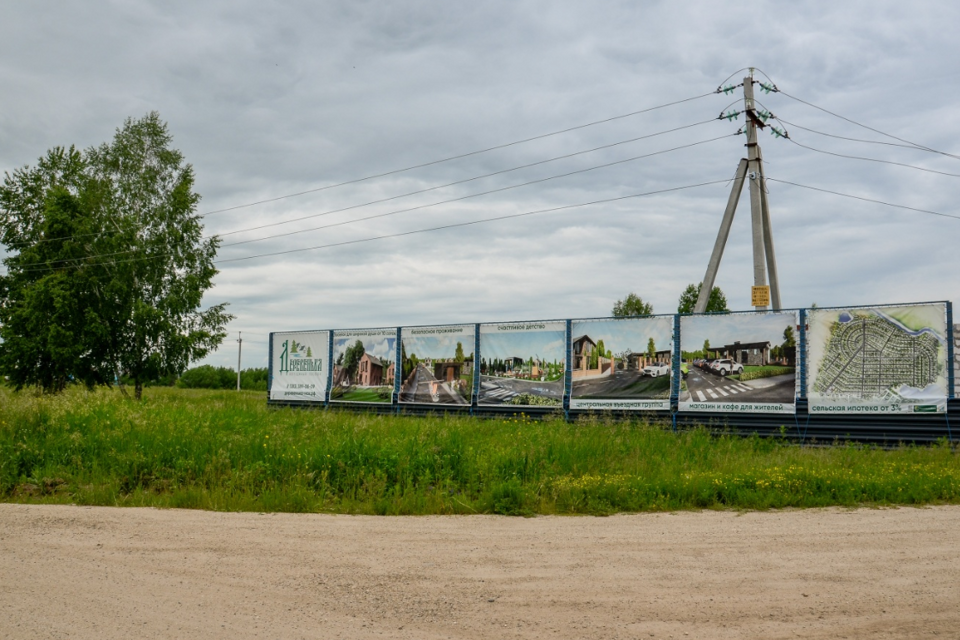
(228, 451)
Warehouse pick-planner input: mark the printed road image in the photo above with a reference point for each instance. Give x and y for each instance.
(738, 358)
(494, 390)
(704, 385)
(437, 364)
(617, 359)
(522, 364)
(423, 387)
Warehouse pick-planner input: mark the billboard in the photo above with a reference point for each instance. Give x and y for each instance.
(437, 364)
(364, 365)
(621, 363)
(956, 360)
(739, 362)
(890, 359)
(522, 364)
(299, 365)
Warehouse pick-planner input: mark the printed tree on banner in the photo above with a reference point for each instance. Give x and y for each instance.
(293, 346)
(309, 352)
(651, 349)
(351, 359)
(706, 349)
(458, 356)
(788, 339)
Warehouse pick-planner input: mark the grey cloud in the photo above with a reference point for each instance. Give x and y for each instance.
(266, 100)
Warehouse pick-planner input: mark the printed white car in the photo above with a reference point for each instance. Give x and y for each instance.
(656, 370)
(726, 366)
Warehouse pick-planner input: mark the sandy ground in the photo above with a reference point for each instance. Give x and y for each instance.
(79, 572)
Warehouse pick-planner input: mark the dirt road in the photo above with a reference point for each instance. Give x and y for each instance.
(79, 572)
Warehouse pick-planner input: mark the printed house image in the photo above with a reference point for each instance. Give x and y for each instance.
(372, 373)
(637, 361)
(585, 366)
(755, 354)
(608, 357)
(450, 370)
(742, 361)
(363, 372)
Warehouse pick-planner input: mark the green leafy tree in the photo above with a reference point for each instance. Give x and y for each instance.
(632, 305)
(48, 318)
(135, 256)
(706, 348)
(651, 349)
(717, 303)
(458, 355)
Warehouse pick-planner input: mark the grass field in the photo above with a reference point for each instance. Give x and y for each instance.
(226, 450)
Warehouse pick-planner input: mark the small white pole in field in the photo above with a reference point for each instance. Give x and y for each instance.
(239, 353)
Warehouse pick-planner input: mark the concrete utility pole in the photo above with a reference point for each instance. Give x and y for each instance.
(764, 258)
(239, 353)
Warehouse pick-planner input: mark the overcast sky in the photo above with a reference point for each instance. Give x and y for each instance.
(270, 99)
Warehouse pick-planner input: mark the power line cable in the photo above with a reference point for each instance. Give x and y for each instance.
(460, 156)
(422, 165)
(404, 195)
(464, 181)
(878, 160)
(418, 231)
(469, 223)
(483, 193)
(838, 137)
(51, 263)
(869, 128)
(848, 195)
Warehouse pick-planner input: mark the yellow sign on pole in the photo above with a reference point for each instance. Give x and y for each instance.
(760, 296)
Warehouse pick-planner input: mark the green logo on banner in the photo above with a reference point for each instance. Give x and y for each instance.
(298, 357)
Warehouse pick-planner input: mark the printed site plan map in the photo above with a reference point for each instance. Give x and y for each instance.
(888, 359)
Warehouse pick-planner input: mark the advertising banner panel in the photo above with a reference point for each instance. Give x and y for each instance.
(299, 365)
(956, 359)
(739, 362)
(622, 363)
(522, 364)
(890, 359)
(437, 364)
(364, 365)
